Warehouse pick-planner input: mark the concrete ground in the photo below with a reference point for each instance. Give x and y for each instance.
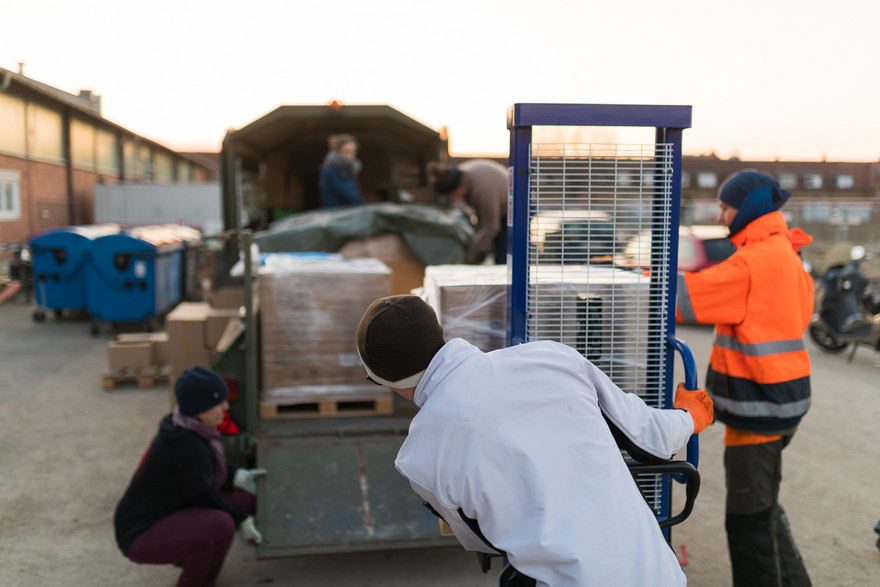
(68, 448)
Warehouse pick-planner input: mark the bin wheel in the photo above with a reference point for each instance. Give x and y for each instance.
(94, 330)
(39, 315)
(58, 314)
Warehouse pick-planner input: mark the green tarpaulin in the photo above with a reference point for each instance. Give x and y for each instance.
(434, 235)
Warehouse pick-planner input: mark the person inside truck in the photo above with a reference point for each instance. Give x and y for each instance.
(338, 183)
(185, 502)
(480, 184)
(515, 449)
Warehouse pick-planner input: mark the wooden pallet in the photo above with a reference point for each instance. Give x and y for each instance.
(142, 377)
(327, 409)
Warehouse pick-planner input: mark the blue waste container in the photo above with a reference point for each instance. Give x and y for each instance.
(60, 258)
(193, 245)
(135, 275)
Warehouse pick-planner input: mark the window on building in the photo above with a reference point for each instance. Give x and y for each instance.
(812, 181)
(185, 171)
(685, 180)
(788, 181)
(10, 199)
(164, 168)
(845, 181)
(707, 180)
(44, 134)
(106, 153)
(82, 144)
(12, 127)
(627, 179)
(138, 161)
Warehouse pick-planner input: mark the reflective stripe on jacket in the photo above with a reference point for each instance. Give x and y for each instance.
(760, 300)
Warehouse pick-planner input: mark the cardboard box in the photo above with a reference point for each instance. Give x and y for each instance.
(230, 296)
(185, 326)
(183, 359)
(161, 347)
(130, 355)
(215, 324)
(309, 316)
(161, 351)
(407, 272)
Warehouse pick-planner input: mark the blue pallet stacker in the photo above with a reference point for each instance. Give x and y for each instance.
(562, 199)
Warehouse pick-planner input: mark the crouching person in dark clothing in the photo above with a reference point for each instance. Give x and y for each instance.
(185, 502)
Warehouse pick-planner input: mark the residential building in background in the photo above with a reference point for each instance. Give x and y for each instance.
(833, 192)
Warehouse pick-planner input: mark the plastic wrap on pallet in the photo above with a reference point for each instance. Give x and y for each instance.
(310, 308)
(318, 393)
(470, 301)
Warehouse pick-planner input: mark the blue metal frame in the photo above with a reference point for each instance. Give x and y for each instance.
(669, 123)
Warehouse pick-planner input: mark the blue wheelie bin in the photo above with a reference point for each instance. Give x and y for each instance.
(60, 259)
(135, 276)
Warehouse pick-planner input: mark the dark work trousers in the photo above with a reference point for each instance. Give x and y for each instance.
(762, 550)
(197, 539)
(499, 244)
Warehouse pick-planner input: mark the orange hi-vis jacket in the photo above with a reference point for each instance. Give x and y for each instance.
(761, 301)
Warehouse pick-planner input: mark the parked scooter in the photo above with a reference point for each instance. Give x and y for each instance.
(847, 311)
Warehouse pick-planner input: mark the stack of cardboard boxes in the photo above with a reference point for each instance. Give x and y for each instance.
(309, 314)
(139, 351)
(195, 328)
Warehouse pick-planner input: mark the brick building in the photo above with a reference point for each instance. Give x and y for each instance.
(54, 148)
(821, 190)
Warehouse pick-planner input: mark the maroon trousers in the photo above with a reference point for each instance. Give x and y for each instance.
(196, 539)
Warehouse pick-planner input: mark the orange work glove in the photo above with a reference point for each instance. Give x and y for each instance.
(697, 403)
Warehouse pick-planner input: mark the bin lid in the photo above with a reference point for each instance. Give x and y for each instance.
(165, 234)
(68, 233)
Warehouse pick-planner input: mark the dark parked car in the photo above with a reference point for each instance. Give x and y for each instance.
(574, 236)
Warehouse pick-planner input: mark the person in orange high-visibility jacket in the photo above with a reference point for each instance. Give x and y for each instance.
(760, 300)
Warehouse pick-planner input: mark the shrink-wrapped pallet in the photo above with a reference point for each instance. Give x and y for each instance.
(470, 301)
(309, 313)
(592, 308)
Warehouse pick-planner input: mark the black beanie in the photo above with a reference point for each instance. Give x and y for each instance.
(451, 183)
(199, 389)
(397, 338)
(737, 187)
(753, 193)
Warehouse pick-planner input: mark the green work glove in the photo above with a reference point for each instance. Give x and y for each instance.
(246, 479)
(248, 532)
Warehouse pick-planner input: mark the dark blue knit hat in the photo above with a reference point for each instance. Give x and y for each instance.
(753, 193)
(199, 389)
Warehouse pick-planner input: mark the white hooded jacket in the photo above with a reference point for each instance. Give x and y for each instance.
(516, 440)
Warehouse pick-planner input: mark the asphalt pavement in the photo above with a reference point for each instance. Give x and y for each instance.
(68, 448)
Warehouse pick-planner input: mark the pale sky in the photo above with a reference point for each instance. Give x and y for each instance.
(787, 79)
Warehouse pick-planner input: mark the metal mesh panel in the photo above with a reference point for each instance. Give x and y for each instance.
(585, 203)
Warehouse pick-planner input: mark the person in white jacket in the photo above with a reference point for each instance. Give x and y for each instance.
(514, 449)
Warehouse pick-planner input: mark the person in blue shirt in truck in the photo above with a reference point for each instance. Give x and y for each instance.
(338, 181)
